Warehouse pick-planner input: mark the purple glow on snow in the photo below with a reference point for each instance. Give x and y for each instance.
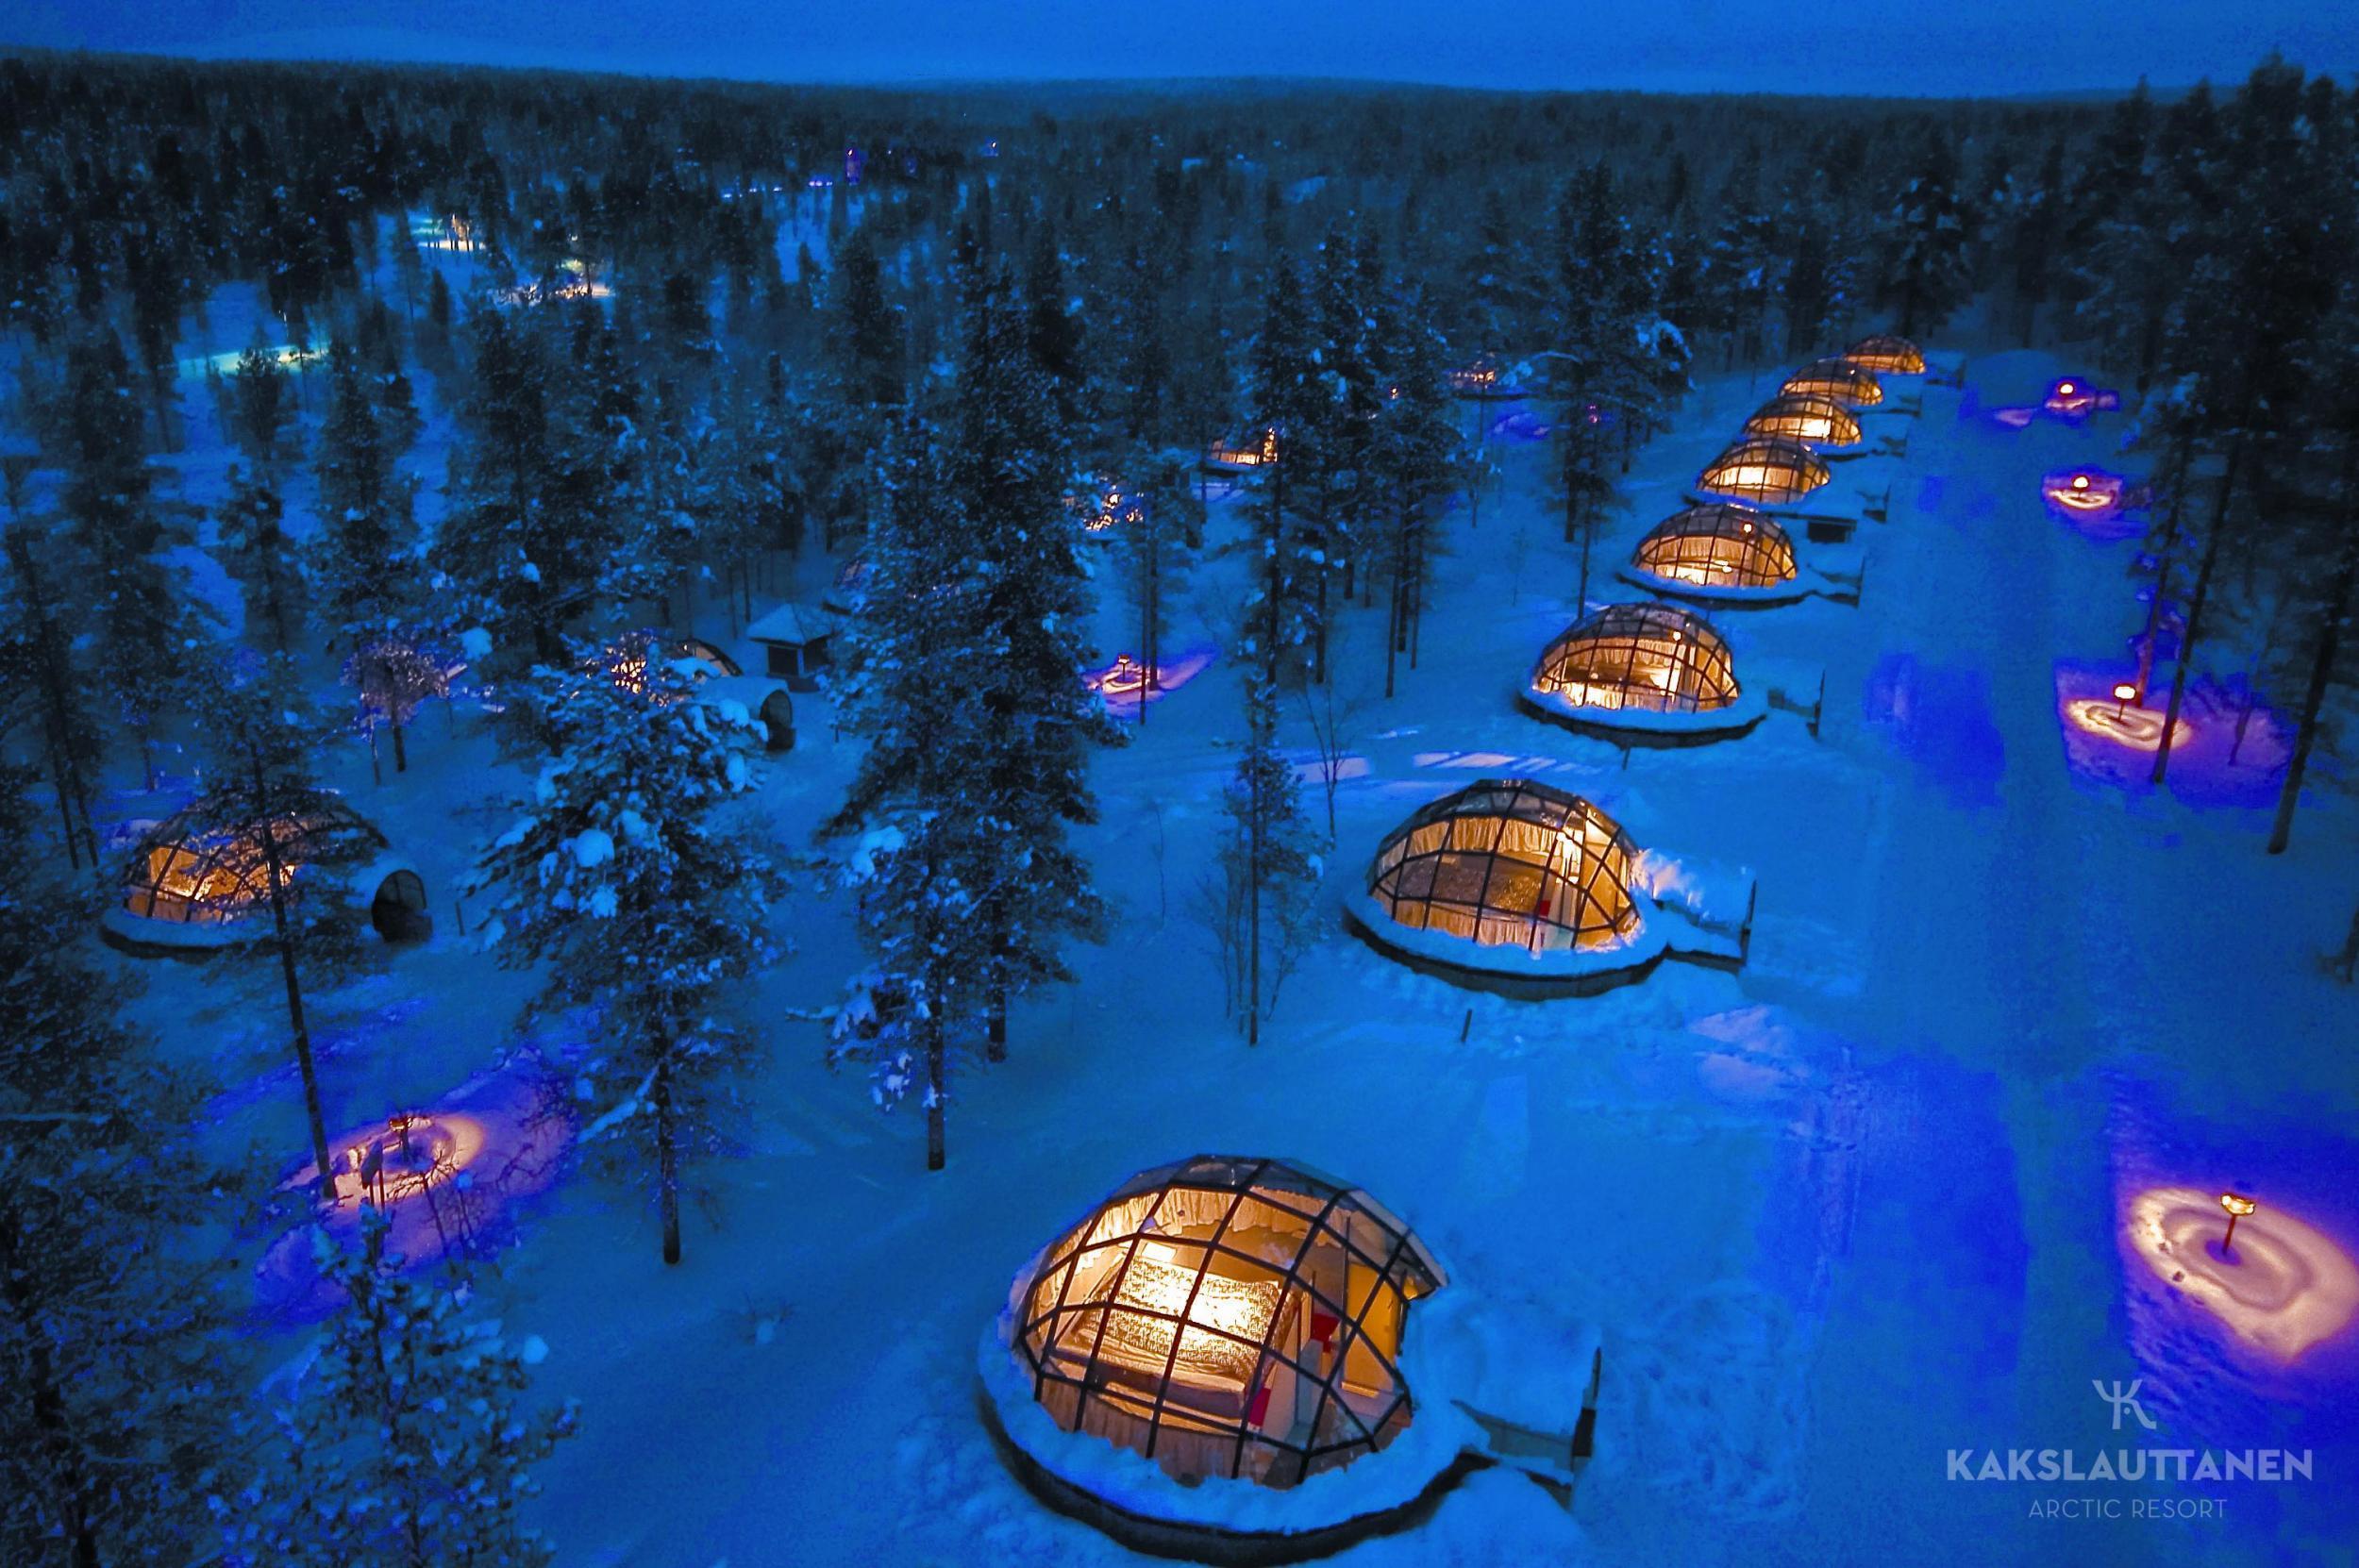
(510, 1142)
(2231, 753)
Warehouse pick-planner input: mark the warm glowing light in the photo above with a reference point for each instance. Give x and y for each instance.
(2083, 491)
(2283, 1290)
(412, 1152)
(2071, 399)
(1127, 674)
(1262, 453)
(1179, 1297)
(2140, 728)
(2126, 691)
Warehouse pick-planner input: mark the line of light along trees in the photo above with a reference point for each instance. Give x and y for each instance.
(650, 399)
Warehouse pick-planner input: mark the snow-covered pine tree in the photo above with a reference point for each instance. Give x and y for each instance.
(1413, 458)
(157, 297)
(255, 550)
(438, 309)
(1028, 782)
(141, 624)
(1287, 393)
(379, 343)
(1054, 332)
(363, 550)
(497, 539)
(1341, 415)
(44, 661)
(407, 1440)
(2252, 300)
(111, 1395)
(262, 736)
(1580, 369)
(261, 405)
(631, 467)
(1279, 618)
(1140, 354)
(626, 878)
(1740, 275)
(1270, 858)
(867, 329)
(916, 634)
(1924, 244)
(1154, 549)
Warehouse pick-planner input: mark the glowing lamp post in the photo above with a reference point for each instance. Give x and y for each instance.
(2237, 1206)
(2124, 692)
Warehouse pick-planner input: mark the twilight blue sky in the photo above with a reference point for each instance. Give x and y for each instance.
(1909, 46)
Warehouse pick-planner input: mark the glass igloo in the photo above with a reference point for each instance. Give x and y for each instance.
(1228, 1318)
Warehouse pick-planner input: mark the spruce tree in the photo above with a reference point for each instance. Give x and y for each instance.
(262, 737)
(867, 328)
(503, 539)
(112, 1398)
(142, 626)
(916, 634)
(1924, 244)
(1155, 544)
(626, 880)
(1009, 471)
(250, 524)
(1415, 454)
(407, 1438)
(47, 664)
(363, 550)
(261, 404)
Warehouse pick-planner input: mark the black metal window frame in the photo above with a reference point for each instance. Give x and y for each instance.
(1803, 470)
(1475, 822)
(1755, 549)
(1839, 380)
(1882, 352)
(1614, 647)
(191, 849)
(1330, 1211)
(1792, 415)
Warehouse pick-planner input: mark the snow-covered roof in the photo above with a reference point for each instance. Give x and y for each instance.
(793, 626)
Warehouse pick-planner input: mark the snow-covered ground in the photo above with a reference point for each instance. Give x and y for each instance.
(1832, 1216)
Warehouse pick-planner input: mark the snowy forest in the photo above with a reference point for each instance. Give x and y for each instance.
(651, 726)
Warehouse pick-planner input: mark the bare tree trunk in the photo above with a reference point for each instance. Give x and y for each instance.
(1397, 626)
(2321, 676)
(304, 1063)
(401, 751)
(995, 1007)
(1581, 596)
(57, 719)
(666, 1157)
(936, 1091)
(2195, 605)
(1256, 802)
(1151, 619)
(2347, 961)
(72, 1502)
